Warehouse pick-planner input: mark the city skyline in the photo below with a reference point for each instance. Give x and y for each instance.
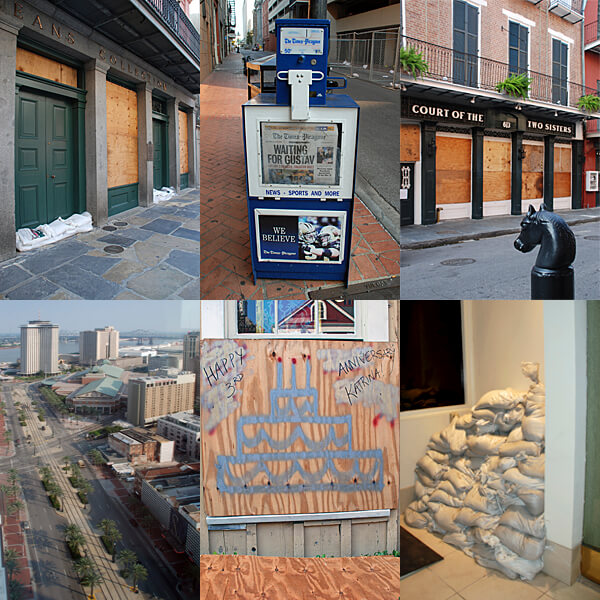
(125, 315)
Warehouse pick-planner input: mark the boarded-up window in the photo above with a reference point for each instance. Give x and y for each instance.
(183, 142)
(121, 135)
(410, 143)
(29, 62)
(453, 170)
(496, 170)
(532, 186)
(562, 171)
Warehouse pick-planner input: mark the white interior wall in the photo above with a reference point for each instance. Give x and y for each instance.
(497, 336)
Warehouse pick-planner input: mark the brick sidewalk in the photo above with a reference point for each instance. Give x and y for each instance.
(226, 266)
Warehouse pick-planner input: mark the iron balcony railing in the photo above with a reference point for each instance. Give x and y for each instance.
(590, 32)
(573, 6)
(481, 73)
(178, 22)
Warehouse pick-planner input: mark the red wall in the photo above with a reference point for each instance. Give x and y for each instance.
(592, 76)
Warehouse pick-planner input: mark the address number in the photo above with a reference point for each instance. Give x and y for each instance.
(506, 124)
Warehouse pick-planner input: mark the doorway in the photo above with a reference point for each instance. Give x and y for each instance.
(45, 170)
(161, 159)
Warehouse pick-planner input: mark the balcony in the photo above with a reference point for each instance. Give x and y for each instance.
(570, 10)
(591, 37)
(483, 74)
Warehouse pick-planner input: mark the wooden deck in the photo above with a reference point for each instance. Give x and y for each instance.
(227, 577)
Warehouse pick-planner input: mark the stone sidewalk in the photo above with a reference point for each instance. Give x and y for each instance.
(144, 253)
(226, 268)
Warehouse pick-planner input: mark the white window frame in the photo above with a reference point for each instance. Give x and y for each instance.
(232, 333)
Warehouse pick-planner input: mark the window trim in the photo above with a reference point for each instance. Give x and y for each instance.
(232, 333)
(528, 43)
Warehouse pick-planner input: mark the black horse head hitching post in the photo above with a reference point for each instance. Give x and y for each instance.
(552, 276)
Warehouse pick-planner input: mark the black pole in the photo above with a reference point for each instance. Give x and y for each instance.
(318, 9)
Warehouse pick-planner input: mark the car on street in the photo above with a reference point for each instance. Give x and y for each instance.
(26, 525)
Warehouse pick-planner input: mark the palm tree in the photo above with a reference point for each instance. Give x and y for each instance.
(106, 525)
(15, 589)
(55, 490)
(10, 562)
(14, 506)
(13, 477)
(45, 473)
(139, 573)
(83, 567)
(113, 535)
(93, 578)
(67, 460)
(74, 536)
(127, 558)
(85, 487)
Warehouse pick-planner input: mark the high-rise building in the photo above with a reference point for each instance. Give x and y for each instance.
(39, 348)
(191, 357)
(152, 397)
(184, 429)
(98, 345)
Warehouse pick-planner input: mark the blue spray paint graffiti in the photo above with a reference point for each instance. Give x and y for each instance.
(300, 407)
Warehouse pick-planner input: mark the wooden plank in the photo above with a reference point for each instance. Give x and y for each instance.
(121, 135)
(410, 143)
(496, 156)
(183, 142)
(275, 578)
(346, 538)
(562, 185)
(534, 158)
(29, 62)
(299, 426)
(532, 186)
(496, 186)
(562, 159)
(453, 187)
(453, 170)
(298, 539)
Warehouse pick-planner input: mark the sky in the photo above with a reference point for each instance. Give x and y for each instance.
(124, 315)
(239, 6)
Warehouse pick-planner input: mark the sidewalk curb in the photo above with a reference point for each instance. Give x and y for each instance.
(388, 218)
(456, 239)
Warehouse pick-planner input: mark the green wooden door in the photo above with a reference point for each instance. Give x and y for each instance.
(44, 160)
(159, 138)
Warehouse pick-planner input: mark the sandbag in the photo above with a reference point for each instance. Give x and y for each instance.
(519, 518)
(456, 439)
(446, 486)
(474, 518)
(416, 519)
(499, 400)
(523, 481)
(483, 413)
(445, 498)
(483, 500)
(432, 469)
(533, 500)
(421, 490)
(505, 463)
(524, 545)
(494, 564)
(483, 426)
(460, 481)
(526, 569)
(534, 428)
(485, 444)
(420, 505)
(465, 421)
(506, 421)
(445, 518)
(463, 465)
(533, 466)
(461, 540)
(516, 435)
(424, 478)
(439, 457)
(523, 447)
(436, 443)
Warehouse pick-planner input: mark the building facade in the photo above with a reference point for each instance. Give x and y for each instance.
(184, 429)
(152, 397)
(96, 114)
(140, 446)
(39, 348)
(468, 150)
(98, 345)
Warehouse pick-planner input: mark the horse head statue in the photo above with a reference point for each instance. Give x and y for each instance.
(551, 232)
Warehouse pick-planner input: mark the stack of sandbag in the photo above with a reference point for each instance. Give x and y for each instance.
(481, 481)
(59, 229)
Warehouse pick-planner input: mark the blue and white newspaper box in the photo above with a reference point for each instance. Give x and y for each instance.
(300, 146)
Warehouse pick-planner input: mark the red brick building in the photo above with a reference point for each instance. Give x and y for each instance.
(468, 150)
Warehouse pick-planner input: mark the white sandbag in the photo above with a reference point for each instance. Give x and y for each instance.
(436, 443)
(523, 481)
(481, 550)
(474, 518)
(446, 486)
(424, 478)
(499, 400)
(461, 540)
(534, 428)
(526, 569)
(531, 370)
(445, 517)
(163, 194)
(420, 505)
(533, 500)
(416, 519)
(507, 420)
(519, 518)
(432, 469)
(481, 499)
(439, 457)
(465, 421)
(524, 545)
(494, 564)
(421, 490)
(455, 438)
(484, 413)
(485, 445)
(505, 463)
(523, 447)
(516, 435)
(533, 466)
(445, 498)
(463, 465)
(460, 481)
(475, 463)
(483, 426)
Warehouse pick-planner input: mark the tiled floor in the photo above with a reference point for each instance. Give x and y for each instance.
(459, 577)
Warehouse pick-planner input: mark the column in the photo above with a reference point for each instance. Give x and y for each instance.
(428, 172)
(516, 178)
(8, 61)
(577, 159)
(192, 146)
(173, 114)
(96, 161)
(549, 171)
(145, 148)
(477, 173)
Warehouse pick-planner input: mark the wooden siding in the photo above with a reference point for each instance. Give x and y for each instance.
(183, 142)
(34, 64)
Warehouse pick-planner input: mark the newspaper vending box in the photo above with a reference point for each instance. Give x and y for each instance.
(300, 146)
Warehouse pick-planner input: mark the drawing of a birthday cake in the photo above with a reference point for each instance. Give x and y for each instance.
(316, 456)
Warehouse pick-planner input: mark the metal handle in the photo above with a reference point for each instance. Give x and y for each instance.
(53, 176)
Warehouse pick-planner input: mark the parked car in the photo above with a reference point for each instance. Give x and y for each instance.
(26, 525)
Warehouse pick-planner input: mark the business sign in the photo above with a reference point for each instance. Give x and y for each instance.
(415, 108)
(550, 127)
(301, 40)
(300, 236)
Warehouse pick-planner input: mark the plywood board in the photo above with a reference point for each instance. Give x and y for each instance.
(121, 135)
(275, 578)
(453, 170)
(183, 142)
(295, 426)
(534, 158)
(410, 143)
(29, 62)
(532, 186)
(562, 185)
(496, 170)
(562, 159)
